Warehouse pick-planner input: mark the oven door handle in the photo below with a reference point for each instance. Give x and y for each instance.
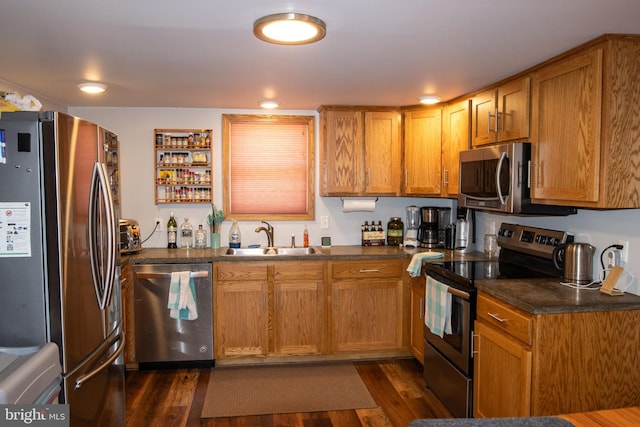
(457, 292)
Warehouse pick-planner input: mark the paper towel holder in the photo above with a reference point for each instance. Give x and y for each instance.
(342, 199)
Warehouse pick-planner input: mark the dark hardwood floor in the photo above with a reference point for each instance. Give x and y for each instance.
(175, 398)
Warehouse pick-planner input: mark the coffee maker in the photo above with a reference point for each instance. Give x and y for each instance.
(413, 224)
(428, 231)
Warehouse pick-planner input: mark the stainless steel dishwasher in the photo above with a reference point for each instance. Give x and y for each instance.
(161, 338)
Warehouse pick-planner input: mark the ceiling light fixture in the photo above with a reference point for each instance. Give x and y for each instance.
(289, 28)
(92, 87)
(429, 99)
(269, 104)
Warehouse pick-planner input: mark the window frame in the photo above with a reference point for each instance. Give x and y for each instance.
(227, 121)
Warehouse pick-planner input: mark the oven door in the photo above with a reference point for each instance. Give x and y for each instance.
(456, 346)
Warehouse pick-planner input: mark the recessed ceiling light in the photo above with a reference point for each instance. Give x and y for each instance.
(289, 28)
(92, 87)
(429, 99)
(269, 104)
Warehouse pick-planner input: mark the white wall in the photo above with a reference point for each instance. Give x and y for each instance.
(600, 228)
(135, 126)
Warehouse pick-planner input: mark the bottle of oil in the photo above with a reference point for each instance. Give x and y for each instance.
(172, 232)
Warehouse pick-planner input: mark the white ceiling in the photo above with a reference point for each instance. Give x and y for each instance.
(202, 53)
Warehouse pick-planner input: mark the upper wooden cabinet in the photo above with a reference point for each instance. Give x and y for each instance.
(502, 113)
(422, 152)
(359, 151)
(455, 138)
(586, 127)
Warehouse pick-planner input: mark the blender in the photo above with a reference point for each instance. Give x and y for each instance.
(413, 223)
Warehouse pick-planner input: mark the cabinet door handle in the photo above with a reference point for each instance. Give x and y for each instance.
(264, 301)
(473, 344)
(406, 177)
(368, 177)
(368, 270)
(421, 308)
(496, 317)
(445, 174)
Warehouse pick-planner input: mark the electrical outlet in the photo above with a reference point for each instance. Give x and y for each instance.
(613, 258)
(159, 222)
(324, 222)
(624, 255)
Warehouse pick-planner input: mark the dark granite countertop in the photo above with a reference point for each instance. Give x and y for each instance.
(546, 296)
(535, 296)
(163, 255)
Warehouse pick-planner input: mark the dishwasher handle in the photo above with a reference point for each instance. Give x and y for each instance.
(194, 274)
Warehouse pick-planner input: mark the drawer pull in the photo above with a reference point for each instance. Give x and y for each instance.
(368, 270)
(495, 316)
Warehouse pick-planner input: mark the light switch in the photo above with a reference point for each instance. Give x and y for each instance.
(324, 222)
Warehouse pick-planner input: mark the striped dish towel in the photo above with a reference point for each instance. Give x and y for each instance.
(437, 314)
(416, 261)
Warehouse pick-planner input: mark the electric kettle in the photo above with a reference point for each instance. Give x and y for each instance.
(576, 260)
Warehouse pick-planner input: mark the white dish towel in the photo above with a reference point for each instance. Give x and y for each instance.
(437, 309)
(182, 296)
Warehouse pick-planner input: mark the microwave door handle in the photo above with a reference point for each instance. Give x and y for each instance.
(503, 199)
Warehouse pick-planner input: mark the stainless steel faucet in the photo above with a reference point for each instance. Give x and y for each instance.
(269, 231)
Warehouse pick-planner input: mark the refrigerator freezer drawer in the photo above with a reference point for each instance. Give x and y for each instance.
(161, 336)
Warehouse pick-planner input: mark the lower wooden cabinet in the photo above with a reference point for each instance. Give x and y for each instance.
(126, 283)
(272, 309)
(366, 306)
(269, 309)
(502, 380)
(550, 364)
(416, 322)
(241, 310)
(298, 308)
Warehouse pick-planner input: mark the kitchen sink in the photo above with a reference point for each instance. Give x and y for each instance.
(269, 251)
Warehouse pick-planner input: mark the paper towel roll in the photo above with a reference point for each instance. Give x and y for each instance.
(358, 205)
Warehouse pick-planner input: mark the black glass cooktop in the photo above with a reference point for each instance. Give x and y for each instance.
(465, 272)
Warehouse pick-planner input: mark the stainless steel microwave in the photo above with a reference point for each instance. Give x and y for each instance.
(496, 178)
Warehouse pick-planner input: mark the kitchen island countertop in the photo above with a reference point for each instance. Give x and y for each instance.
(547, 296)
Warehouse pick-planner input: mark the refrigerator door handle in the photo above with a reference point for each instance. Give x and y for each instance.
(114, 336)
(86, 377)
(103, 269)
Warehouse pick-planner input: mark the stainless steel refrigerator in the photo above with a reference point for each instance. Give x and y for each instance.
(59, 255)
